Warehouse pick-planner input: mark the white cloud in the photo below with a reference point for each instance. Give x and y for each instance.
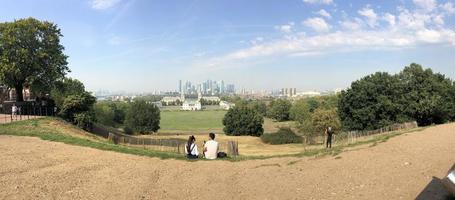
(368, 30)
(448, 7)
(390, 19)
(354, 24)
(429, 36)
(318, 24)
(427, 5)
(287, 28)
(103, 4)
(370, 15)
(326, 2)
(324, 13)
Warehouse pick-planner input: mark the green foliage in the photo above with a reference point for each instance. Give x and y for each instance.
(127, 130)
(143, 117)
(371, 102)
(282, 136)
(427, 96)
(65, 88)
(243, 121)
(323, 118)
(279, 110)
(111, 113)
(77, 103)
(31, 55)
(381, 99)
(84, 119)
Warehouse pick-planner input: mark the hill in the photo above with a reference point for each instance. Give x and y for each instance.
(404, 167)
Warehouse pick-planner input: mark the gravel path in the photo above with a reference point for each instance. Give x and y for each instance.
(400, 168)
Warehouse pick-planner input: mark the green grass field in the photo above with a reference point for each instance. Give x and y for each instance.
(210, 120)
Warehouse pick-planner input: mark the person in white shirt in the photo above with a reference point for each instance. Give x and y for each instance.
(14, 110)
(211, 147)
(191, 148)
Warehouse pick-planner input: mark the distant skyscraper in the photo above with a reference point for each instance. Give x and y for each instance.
(180, 86)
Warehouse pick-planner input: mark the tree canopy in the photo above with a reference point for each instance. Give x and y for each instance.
(143, 117)
(31, 56)
(382, 99)
(243, 121)
(279, 110)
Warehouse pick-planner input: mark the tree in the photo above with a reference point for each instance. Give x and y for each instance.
(301, 110)
(279, 110)
(428, 97)
(322, 119)
(78, 109)
(31, 56)
(371, 103)
(65, 88)
(143, 117)
(259, 106)
(243, 121)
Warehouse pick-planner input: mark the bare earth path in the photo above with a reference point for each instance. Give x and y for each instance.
(397, 169)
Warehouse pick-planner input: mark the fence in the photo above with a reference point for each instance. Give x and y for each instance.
(24, 112)
(350, 137)
(174, 145)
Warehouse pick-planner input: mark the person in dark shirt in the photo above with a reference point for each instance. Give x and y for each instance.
(329, 133)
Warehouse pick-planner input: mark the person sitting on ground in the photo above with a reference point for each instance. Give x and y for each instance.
(191, 148)
(329, 133)
(211, 147)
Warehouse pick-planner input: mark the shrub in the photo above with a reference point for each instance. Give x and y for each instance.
(282, 136)
(143, 117)
(127, 130)
(243, 121)
(84, 120)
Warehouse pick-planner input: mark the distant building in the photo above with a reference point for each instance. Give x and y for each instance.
(288, 92)
(191, 104)
(226, 105)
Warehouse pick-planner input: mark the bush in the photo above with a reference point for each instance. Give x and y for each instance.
(243, 121)
(279, 110)
(143, 117)
(127, 130)
(84, 120)
(282, 136)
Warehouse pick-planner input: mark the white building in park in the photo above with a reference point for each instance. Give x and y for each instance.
(226, 105)
(192, 104)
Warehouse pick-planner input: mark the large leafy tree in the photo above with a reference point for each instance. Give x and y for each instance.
(427, 96)
(243, 121)
(143, 117)
(64, 88)
(31, 55)
(280, 110)
(371, 102)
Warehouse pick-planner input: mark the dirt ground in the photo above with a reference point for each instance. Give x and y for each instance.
(402, 168)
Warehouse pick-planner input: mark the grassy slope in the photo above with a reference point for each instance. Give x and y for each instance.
(55, 130)
(45, 129)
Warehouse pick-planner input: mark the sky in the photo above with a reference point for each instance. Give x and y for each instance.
(148, 45)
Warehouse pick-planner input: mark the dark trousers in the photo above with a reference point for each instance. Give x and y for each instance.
(329, 141)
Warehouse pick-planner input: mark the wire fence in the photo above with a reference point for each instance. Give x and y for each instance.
(174, 145)
(349, 137)
(24, 112)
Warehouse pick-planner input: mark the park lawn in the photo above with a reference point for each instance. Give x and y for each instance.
(187, 121)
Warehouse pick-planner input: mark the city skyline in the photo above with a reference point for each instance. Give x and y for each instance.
(143, 46)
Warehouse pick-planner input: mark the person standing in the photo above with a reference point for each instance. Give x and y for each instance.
(211, 147)
(329, 132)
(14, 111)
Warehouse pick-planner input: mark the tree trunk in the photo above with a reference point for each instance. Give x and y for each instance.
(19, 94)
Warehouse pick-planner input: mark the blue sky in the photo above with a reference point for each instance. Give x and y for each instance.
(147, 45)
